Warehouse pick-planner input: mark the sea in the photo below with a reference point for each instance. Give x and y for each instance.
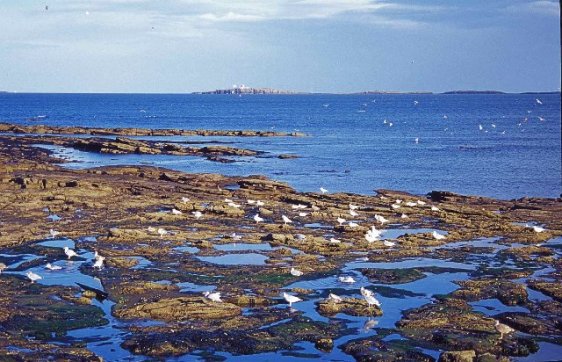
(498, 145)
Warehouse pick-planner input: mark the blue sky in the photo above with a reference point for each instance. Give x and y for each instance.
(308, 45)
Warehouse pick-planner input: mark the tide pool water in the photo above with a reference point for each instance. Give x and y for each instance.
(498, 145)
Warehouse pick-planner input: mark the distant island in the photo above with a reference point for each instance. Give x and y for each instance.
(474, 92)
(248, 90)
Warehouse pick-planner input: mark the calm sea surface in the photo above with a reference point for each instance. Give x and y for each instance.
(504, 146)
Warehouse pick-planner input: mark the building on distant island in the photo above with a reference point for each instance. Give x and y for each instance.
(242, 89)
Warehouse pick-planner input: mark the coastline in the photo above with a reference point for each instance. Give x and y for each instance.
(116, 205)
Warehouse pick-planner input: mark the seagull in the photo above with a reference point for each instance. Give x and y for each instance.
(395, 206)
(300, 237)
(353, 207)
(370, 237)
(398, 201)
(251, 202)
(380, 219)
(215, 297)
(303, 214)
(257, 218)
(353, 224)
(445, 116)
(334, 298)
(371, 300)
(52, 267)
(99, 262)
(296, 272)
(228, 200)
(291, 299)
(353, 213)
(411, 204)
(185, 200)
(538, 101)
(176, 212)
(480, 127)
(538, 229)
(69, 252)
(503, 328)
(340, 220)
(369, 324)
(151, 229)
(54, 233)
(335, 241)
(365, 291)
(286, 220)
(323, 190)
(420, 202)
(299, 206)
(235, 205)
(3, 267)
(162, 232)
(416, 140)
(437, 236)
(235, 236)
(416, 103)
(33, 277)
(389, 243)
(197, 214)
(434, 208)
(540, 118)
(260, 203)
(403, 216)
(346, 279)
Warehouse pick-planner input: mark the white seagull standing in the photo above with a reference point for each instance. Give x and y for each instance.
(346, 279)
(437, 236)
(33, 277)
(197, 214)
(335, 298)
(286, 220)
(538, 229)
(215, 297)
(162, 232)
(257, 218)
(340, 220)
(381, 219)
(52, 267)
(69, 252)
(323, 190)
(99, 262)
(176, 212)
(3, 267)
(296, 272)
(371, 300)
(291, 299)
(54, 233)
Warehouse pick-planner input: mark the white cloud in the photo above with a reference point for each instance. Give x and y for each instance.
(541, 7)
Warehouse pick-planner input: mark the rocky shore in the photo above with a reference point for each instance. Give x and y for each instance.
(163, 234)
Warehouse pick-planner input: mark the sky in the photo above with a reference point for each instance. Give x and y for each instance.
(177, 46)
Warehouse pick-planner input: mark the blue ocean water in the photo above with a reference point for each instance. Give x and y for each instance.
(498, 145)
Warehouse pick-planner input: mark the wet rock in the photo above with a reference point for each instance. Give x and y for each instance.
(324, 344)
(457, 356)
(392, 276)
(509, 293)
(351, 306)
(552, 289)
(182, 308)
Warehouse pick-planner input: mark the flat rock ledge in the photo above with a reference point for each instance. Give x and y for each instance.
(183, 308)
